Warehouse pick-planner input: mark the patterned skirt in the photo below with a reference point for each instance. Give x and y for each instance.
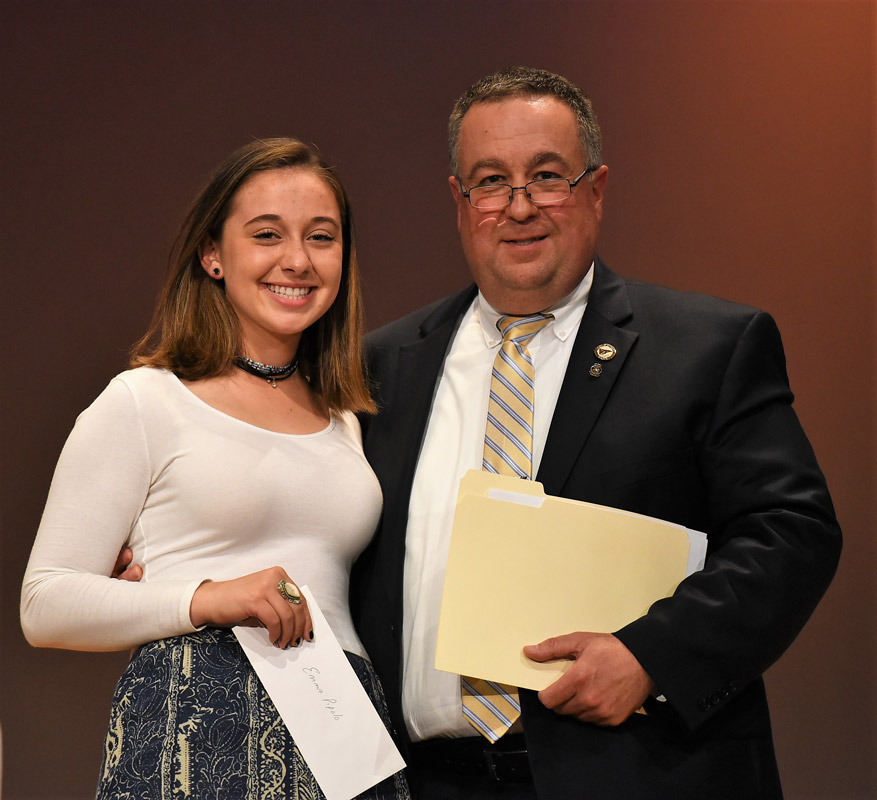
(190, 719)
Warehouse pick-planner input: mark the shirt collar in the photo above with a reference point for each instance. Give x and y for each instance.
(567, 313)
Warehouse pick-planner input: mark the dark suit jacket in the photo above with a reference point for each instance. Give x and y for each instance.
(690, 422)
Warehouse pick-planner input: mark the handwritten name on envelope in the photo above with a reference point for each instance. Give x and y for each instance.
(325, 708)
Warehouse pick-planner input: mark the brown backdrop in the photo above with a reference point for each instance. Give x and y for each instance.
(741, 142)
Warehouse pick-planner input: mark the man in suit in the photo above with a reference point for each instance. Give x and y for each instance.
(664, 403)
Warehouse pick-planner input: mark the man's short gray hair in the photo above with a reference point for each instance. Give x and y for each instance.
(528, 82)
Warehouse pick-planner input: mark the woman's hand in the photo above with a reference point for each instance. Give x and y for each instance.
(254, 600)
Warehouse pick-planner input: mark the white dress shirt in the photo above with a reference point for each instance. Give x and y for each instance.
(453, 444)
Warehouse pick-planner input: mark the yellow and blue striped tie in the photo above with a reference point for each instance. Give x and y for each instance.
(492, 708)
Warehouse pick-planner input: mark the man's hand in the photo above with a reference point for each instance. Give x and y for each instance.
(604, 686)
(124, 569)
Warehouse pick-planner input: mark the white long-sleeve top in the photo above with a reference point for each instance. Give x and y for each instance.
(197, 494)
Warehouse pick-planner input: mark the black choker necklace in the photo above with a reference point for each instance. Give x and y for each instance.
(267, 371)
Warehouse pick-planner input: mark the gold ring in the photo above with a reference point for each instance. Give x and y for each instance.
(289, 592)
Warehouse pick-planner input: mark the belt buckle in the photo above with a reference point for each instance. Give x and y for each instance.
(501, 764)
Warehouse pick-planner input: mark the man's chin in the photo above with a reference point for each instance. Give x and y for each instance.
(522, 298)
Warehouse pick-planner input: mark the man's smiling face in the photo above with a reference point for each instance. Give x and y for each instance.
(526, 258)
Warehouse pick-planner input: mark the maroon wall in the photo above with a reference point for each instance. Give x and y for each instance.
(741, 143)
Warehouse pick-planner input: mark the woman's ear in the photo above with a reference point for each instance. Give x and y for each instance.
(208, 253)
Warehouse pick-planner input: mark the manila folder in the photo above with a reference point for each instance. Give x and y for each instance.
(524, 566)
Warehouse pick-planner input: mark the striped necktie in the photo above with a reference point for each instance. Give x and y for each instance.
(492, 708)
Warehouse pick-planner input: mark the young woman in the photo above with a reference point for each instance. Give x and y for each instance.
(229, 460)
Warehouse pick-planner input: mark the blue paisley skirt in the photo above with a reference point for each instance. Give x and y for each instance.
(191, 720)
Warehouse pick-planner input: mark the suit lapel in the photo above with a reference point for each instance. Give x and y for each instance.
(582, 394)
(418, 368)
(420, 364)
(393, 438)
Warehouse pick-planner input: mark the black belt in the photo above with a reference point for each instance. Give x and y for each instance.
(504, 761)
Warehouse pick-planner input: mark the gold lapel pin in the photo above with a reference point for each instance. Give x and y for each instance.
(596, 370)
(605, 351)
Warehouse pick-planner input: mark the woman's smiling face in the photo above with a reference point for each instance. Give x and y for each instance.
(280, 254)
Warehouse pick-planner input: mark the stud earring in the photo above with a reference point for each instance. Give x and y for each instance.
(216, 270)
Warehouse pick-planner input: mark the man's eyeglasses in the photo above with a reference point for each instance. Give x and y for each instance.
(540, 193)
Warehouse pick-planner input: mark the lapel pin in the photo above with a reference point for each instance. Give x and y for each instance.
(596, 370)
(605, 352)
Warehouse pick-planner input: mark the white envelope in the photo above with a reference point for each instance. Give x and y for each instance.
(325, 708)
